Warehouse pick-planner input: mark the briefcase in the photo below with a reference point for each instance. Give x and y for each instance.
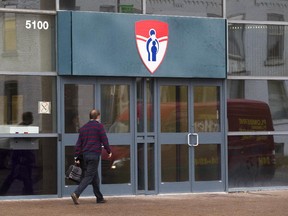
(74, 173)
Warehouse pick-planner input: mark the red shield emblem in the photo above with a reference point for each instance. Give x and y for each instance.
(151, 40)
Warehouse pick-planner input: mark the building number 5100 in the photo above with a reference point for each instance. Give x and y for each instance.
(33, 24)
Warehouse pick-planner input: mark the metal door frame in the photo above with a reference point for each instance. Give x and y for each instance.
(70, 139)
(146, 138)
(192, 185)
(134, 138)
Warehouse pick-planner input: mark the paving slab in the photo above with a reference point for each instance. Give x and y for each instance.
(264, 203)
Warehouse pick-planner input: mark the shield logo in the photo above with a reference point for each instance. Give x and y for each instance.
(151, 40)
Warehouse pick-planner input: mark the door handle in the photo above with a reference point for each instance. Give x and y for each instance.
(197, 139)
(188, 139)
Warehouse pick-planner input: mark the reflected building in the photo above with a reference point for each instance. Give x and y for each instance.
(257, 46)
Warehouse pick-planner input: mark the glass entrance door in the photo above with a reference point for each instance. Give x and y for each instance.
(146, 146)
(114, 99)
(191, 137)
(166, 135)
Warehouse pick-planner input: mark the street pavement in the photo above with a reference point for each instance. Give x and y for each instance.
(255, 203)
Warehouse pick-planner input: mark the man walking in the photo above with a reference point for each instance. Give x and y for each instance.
(92, 137)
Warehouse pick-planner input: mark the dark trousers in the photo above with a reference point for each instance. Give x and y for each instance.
(91, 163)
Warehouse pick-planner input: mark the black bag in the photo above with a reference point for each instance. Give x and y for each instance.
(74, 173)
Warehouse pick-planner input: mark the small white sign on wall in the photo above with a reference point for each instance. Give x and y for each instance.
(44, 107)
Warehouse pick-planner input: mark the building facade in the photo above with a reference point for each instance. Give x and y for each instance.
(210, 115)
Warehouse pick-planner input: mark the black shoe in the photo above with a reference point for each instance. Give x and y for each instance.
(101, 200)
(75, 198)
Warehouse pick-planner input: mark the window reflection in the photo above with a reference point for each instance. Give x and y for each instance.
(27, 46)
(30, 4)
(206, 109)
(208, 162)
(141, 166)
(151, 166)
(9, 28)
(212, 8)
(278, 99)
(173, 108)
(174, 163)
(115, 108)
(18, 95)
(185, 7)
(251, 160)
(267, 101)
(257, 50)
(275, 45)
(140, 105)
(28, 166)
(236, 49)
(78, 103)
(141, 85)
(146, 166)
(257, 161)
(248, 115)
(150, 104)
(112, 6)
(115, 170)
(255, 10)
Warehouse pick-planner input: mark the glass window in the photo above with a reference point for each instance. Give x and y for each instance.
(174, 163)
(115, 108)
(27, 43)
(114, 6)
(140, 105)
(257, 105)
(9, 36)
(278, 99)
(173, 111)
(275, 45)
(27, 106)
(236, 49)
(207, 162)
(79, 100)
(30, 4)
(255, 10)
(211, 8)
(28, 166)
(115, 170)
(146, 160)
(150, 104)
(141, 166)
(257, 161)
(141, 84)
(236, 88)
(257, 50)
(151, 166)
(206, 109)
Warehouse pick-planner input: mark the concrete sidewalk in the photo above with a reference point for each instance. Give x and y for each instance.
(264, 203)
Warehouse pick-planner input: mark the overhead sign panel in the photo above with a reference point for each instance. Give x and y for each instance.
(111, 44)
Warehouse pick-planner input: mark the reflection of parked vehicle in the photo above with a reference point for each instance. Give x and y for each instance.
(117, 168)
(249, 157)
